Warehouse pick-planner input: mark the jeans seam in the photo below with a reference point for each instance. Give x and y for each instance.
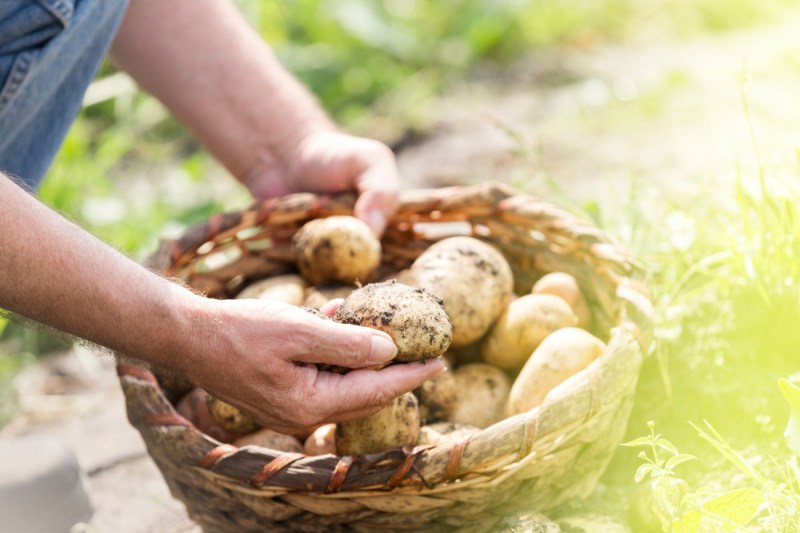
(19, 71)
(60, 9)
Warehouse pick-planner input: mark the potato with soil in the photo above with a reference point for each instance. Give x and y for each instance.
(414, 318)
(322, 441)
(394, 426)
(229, 417)
(522, 326)
(444, 433)
(565, 286)
(336, 248)
(481, 394)
(289, 289)
(193, 407)
(472, 277)
(562, 354)
(267, 438)
(437, 398)
(319, 295)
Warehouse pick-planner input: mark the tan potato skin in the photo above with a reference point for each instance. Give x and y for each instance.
(437, 398)
(444, 433)
(522, 326)
(414, 318)
(229, 417)
(562, 354)
(319, 295)
(289, 289)
(394, 426)
(322, 441)
(267, 438)
(472, 277)
(481, 394)
(193, 407)
(337, 248)
(565, 286)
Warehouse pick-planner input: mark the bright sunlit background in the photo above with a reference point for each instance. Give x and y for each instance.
(674, 125)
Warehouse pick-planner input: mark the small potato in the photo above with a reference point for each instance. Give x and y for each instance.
(444, 433)
(522, 326)
(319, 295)
(229, 417)
(322, 441)
(413, 317)
(472, 277)
(289, 289)
(337, 248)
(394, 426)
(267, 438)
(437, 398)
(193, 407)
(565, 286)
(562, 354)
(482, 391)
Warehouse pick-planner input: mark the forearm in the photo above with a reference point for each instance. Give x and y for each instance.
(205, 63)
(54, 272)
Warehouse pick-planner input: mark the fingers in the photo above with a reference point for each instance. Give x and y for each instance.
(330, 308)
(363, 392)
(325, 341)
(378, 186)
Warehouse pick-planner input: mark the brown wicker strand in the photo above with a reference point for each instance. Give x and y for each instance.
(215, 454)
(137, 372)
(339, 474)
(167, 419)
(273, 467)
(454, 462)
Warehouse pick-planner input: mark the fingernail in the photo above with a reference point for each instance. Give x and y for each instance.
(376, 220)
(381, 350)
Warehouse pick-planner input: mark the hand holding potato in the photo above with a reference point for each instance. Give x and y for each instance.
(259, 356)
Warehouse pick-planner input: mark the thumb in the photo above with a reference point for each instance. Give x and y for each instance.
(345, 345)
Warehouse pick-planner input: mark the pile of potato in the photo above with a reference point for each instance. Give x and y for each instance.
(504, 352)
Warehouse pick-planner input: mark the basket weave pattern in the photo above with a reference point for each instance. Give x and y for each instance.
(531, 461)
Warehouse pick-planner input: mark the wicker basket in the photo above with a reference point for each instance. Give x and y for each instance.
(531, 461)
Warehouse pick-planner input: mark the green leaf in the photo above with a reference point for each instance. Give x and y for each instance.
(667, 445)
(734, 508)
(675, 460)
(641, 441)
(792, 434)
(792, 394)
(642, 471)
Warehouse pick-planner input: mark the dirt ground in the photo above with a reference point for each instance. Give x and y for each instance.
(572, 118)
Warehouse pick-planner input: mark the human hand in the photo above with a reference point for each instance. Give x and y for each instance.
(259, 356)
(331, 162)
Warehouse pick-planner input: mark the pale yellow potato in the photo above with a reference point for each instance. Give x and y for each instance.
(229, 417)
(444, 433)
(481, 394)
(522, 326)
(267, 438)
(322, 441)
(564, 353)
(319, 295)
(565, 286)
(472, 277)
(414, 318)
(338, 248)
(394, 426)
(288, 288)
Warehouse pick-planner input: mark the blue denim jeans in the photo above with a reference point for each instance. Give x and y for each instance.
(50, 51)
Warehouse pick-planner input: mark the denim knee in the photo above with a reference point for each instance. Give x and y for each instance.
(50, 51)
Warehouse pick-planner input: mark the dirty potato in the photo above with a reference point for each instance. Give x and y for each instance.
(229, 417)
(193, 407)
(562, 354)
(472, 277)
(394, 426)
(437, 398)
(289, 289)
(337, 248)
(267, 438)
(481, 394)
(522, 326)
(414, 318)
(565, 286)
